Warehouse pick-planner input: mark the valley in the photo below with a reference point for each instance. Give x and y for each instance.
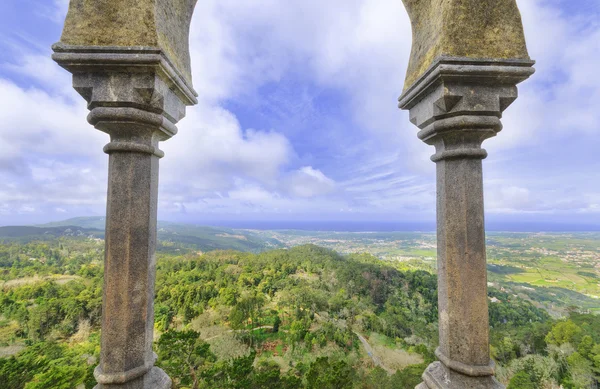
(295, 309)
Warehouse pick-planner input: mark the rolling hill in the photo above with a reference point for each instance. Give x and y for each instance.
(170, 235)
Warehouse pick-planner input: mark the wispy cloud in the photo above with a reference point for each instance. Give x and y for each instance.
(297, 118)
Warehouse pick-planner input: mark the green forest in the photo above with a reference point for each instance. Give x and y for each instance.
(304, 317)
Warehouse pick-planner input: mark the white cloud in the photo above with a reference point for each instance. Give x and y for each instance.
(44, 72)
(211, 151)
(502, 198)
(357, 49)
(509, 199)
(309, 182)
(58, 10)
(252, 194)
(46, 147)
(560, 98)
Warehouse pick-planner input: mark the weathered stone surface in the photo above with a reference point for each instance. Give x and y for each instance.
(136, 95)
(137, 109)
(438, 376)
(162, 24)
(457, 104)
(490, 29)
(126, 357)
(86, 62)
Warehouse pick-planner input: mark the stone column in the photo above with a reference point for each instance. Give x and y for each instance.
(458, 103)
(136, 96)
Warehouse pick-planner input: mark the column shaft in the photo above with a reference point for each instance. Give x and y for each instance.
(129, 273)
(130, 261)
(462, 277)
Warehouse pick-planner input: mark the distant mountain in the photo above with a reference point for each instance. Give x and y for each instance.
(29, 233)
(212, 238)
(186, 235)
(96, 222)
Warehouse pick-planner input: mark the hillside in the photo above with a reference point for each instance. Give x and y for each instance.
(95, 222)
(31, 233)
(555, 271)
(172, 236)
(304, 317)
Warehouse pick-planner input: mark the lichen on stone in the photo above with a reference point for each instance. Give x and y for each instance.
(484, 29)
(133, 23)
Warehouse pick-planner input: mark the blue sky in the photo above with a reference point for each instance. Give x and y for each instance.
(297, 119)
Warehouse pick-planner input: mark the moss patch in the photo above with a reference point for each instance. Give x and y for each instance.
(151, 23)
(489, 29)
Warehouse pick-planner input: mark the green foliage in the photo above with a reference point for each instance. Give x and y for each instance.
(541, 370)
(299, 329)
(564, 332)
(513, 311)
(184, 356)
(324, 373)
(232, 374)
(580, 370)
(586, 346)
(521, 380)
(276, 324)
(289, 315)
(571, 353)
(44, 365)
(376, 379)
(407, 378)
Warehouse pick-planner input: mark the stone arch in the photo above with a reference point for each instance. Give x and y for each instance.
(130, 61)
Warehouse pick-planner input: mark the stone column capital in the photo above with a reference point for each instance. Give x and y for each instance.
(134, 94)
(458, 102)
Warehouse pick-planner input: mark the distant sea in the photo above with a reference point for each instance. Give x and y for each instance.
(374, 226)
(341, 226)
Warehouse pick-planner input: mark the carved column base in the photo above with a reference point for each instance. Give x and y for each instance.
(156, 378)
(438, 376)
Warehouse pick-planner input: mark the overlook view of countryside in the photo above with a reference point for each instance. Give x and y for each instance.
(297, 309)
(299, 194)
